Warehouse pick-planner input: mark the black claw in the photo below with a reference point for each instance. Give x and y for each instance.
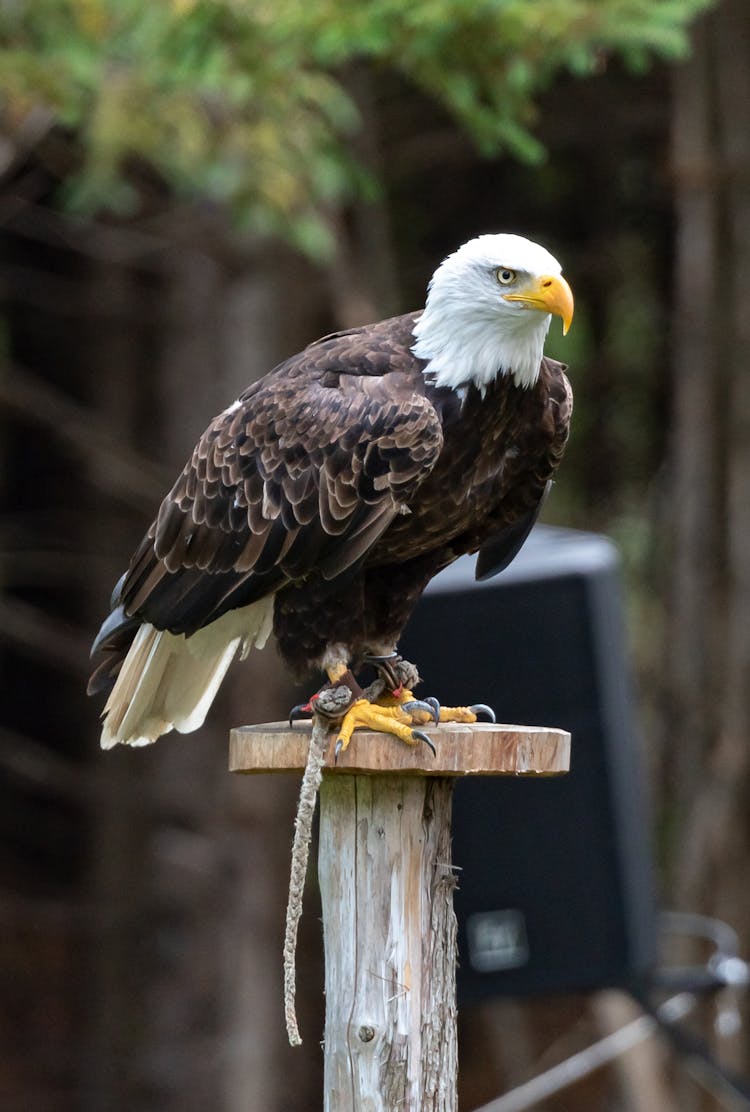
(302, 710)
(419, 736)
(435, 707)
(482, 708)
(337, 750)
(428, 706)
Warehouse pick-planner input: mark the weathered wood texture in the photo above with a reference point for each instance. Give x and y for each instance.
(387, 883)
(482, 749)
(390, 943)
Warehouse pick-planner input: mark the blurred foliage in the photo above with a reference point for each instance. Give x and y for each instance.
(246, 102)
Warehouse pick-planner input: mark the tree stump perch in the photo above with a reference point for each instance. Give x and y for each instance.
(387, 882)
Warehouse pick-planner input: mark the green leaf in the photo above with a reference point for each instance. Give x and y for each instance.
(249, 102)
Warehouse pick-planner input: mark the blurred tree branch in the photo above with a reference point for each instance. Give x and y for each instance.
(246, 104)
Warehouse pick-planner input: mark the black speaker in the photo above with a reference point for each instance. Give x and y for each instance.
(555, 891)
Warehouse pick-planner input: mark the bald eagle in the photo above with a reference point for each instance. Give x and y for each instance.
(321, 502)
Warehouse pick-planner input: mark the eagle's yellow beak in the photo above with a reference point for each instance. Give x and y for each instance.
(551, 294)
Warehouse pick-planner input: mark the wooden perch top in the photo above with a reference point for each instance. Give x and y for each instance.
(481, 749)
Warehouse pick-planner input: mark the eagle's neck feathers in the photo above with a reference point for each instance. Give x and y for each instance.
(461, 347)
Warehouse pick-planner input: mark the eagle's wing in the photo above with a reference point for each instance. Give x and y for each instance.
(303, 473)
(527, 498)
(500, 551)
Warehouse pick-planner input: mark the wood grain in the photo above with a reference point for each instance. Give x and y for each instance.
(386, 885)
(480, 749)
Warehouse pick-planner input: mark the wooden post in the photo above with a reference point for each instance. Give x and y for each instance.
(387, 883)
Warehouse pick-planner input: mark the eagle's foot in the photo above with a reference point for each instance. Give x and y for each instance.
(420, 711)
(388, 705)
(429, 709)
(396, 678)
(392, 720)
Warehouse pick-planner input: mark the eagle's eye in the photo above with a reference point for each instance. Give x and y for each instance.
(505, 276)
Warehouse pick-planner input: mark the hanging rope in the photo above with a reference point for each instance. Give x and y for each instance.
(300, 854)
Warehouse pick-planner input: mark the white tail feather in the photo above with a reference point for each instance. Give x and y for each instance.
(169, 681)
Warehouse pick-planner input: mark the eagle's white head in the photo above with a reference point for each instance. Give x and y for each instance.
(488, 311)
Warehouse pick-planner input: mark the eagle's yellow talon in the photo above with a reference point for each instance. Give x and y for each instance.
(372, 716)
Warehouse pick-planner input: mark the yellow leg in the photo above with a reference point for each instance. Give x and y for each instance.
(336, 671)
